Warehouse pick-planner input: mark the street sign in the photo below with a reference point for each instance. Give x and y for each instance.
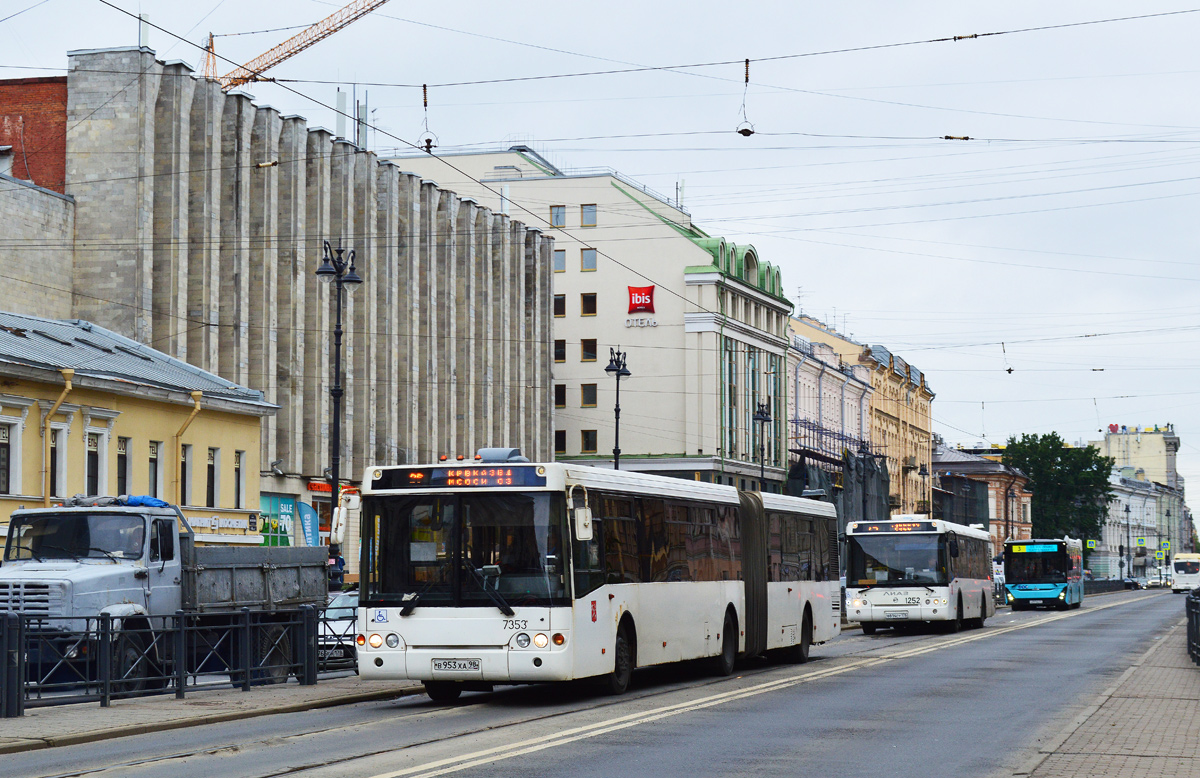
(1158, 555)
(1166, 545)
(1091, 544)
(1141, 542)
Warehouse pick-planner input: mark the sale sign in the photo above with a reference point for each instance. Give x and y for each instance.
(641, 299)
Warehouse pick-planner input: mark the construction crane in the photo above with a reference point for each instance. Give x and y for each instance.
(252, 70)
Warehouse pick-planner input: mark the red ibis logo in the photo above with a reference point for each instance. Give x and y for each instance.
(641, 299)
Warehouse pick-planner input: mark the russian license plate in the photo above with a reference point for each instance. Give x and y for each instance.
(1035, 602)
(332, 653)
(456, 665)
(895, 614)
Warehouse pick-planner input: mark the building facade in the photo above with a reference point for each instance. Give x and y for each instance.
(126, 420)
(901, 428)
(1009, 501)
(828, 406)
(702, 321)
(195, 219)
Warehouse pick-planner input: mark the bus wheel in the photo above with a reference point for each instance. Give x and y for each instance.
(806, 636)
(868, 627)
(956, 624)
(443, 691)
(723, 664)
(623, 658)
(982, 611)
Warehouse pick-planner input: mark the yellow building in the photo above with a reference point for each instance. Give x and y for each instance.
(901, 427)
(123, 418)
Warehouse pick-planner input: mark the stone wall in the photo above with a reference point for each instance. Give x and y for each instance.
(36, 234)
(200, 221)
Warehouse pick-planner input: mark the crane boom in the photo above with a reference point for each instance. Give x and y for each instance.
(253, 69)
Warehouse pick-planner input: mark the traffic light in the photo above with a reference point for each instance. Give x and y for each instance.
(1167, 559)
(1121, 552)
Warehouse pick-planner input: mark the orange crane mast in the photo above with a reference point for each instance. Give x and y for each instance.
(253, 70)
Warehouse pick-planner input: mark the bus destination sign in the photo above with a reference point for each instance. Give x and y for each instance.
(474, 477)
(1037, 548)
(896, 526)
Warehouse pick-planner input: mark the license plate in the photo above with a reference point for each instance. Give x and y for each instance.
(456, 665)
(331, 653)
(895, 614)
(1035, 602)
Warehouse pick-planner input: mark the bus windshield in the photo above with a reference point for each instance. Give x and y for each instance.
(475, 549)
(887, 559)
(1038, 567)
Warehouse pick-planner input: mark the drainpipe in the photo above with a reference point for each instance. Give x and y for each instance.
(842, 415)
(179, 446)
(67, 374)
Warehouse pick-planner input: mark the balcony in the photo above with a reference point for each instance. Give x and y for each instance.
(810, 438)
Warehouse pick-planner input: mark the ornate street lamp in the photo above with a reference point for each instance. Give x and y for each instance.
(342, 275)
(616, 368)
(763, 416)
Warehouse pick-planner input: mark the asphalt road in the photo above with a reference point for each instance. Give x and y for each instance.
(922, 705)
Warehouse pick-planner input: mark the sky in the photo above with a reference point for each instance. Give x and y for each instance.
(1043, 274)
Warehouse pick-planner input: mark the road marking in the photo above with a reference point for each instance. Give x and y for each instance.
(510, 750)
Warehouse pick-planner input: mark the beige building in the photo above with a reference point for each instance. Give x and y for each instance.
(900, 423)
(703, 321)
(131, 420)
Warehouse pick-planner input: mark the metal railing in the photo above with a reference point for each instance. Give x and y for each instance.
(1192, 606)
(65, 660)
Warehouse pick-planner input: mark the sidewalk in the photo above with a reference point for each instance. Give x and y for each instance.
(1145, 724)
(65, 725)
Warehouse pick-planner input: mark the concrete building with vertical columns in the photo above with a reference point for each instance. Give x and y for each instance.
(196, 222)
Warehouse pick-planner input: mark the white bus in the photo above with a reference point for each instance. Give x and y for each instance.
(499, 572)
(912, 569)
(1185, 572)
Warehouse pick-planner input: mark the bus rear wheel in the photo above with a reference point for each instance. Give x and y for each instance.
(723, 664)
(443, 691)
(868, 627)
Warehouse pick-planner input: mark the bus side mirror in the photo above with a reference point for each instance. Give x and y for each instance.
(583, 522)
(954, 549)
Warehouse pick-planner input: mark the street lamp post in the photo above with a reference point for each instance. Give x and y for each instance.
(342, 275)
(763, 417)
(1128, 545)
(616, 368)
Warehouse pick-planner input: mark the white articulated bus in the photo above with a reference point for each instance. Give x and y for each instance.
(498, 572)
(1185, 574)
(913, 569)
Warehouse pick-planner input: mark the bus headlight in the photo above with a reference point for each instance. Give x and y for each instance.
(858, 603)
(540, 640)
(361, 640)
(1009, 596)
(522, 640)
(375, 640)
(1062, 595)
(392, 640)
(558, 639)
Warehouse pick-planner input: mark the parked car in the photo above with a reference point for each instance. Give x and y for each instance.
(1132, 583)
(335, 648)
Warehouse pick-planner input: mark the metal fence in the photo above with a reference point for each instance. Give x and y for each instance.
(64, 660)
(1192, 605)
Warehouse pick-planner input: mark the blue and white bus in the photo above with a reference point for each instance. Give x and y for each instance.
(1043, 573)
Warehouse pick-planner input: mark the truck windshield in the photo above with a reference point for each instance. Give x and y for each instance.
(75, 536)
(464, 550)
(894, 559)
(1039, 567)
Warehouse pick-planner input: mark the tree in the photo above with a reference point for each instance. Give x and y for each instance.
(1070, 485)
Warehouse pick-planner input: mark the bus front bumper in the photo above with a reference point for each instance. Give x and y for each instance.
(885, 614)
(481, 664)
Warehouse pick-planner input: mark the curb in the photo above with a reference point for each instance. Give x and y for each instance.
(93, 736)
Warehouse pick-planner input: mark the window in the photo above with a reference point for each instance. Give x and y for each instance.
(587, 441)
(185, 475)
(122, 465)
(587, 215)
(239, 484)
(162, 540)
(57, 474)
(560, 351)
(211, 487)
(558, 216)
(587, 304)
(560, 305)
(154, 487)
(560, 260)
(587, 348)
(587, 396)
(92, 482)
(560, 441)
(587, 259)
(560, 395)
(5, 460)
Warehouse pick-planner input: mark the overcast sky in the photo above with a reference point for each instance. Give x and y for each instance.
(1065, 229)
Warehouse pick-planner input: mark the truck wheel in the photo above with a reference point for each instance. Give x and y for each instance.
(443, 691)
(130, 665)
(273, 656)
